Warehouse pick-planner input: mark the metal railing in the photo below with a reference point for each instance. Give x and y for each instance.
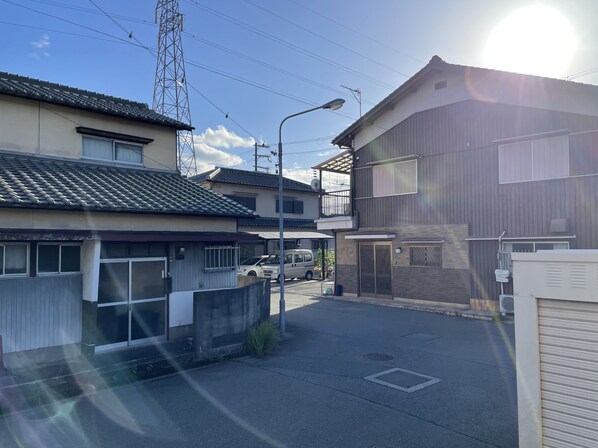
(336, 203)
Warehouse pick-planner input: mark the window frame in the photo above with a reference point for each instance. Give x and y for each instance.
(27, 263)
(532, 150)
(59, 272)
(221, 258)
(114, 143)
(413, 161)
(426, 247)
(297, 206)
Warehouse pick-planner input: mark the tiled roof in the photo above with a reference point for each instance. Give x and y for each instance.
(252, 178)
(273, 222)
(49, 92)
(35, 182)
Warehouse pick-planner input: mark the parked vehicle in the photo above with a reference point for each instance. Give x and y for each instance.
(298, 263)
(252, 266)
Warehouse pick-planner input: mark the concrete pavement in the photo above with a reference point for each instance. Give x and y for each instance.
(312, 392)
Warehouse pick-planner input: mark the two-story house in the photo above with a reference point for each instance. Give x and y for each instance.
(258, 191)
(102, 241)
(456, 169)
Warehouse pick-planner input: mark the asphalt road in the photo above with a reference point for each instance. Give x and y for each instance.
(312, 392)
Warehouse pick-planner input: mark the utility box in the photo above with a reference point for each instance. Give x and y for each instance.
(556, 333)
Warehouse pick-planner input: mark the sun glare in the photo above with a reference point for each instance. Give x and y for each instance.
(535, 40)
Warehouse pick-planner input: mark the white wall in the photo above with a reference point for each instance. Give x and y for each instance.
(266, 200)
(45, 129)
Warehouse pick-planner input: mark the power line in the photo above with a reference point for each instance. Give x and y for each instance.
(344, 47)
(347, 27)
(288, 44)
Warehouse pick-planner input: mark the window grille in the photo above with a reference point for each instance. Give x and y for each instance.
(430, 256)
(221, 258)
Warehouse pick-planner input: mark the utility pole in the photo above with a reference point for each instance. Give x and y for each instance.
(170, 86)
(257, 156)
(356, 94)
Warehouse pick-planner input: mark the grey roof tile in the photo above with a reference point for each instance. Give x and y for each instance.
(49, 92)
(35, 182)
(251, 178)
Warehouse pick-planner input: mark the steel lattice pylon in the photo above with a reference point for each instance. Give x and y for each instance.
(170, 87)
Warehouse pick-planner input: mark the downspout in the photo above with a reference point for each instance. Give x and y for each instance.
(502, 287)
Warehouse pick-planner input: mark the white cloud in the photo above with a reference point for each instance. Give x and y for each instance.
(223, 138)
(304, 175)
(40, 47)
(210, 145)
(42, 42)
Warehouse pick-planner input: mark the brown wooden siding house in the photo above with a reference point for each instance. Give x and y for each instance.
(456, 169)
(102, 241)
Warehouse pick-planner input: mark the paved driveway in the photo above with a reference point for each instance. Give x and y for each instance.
(313, 391)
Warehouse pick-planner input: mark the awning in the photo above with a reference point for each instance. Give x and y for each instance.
(372, 236)
(291, 235)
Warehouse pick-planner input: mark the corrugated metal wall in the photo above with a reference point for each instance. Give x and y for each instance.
(458, 180)
(40, 312)
(188, 274)
(458, 174)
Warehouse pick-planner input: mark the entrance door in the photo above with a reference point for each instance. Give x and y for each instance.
(131, 302)
(375, 276)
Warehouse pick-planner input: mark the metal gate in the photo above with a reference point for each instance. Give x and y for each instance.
(568, 372)
(375, 273)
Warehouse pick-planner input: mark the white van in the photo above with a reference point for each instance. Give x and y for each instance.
(298, 263)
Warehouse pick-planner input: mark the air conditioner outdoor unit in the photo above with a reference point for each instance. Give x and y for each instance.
(506, 303)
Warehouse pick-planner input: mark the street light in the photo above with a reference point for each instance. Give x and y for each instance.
(331, 105)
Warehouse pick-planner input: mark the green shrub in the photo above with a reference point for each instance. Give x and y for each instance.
(262, 338)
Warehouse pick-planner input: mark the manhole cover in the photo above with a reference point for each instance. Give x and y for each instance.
(378, 356)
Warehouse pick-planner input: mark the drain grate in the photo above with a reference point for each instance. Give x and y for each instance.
(378, 356)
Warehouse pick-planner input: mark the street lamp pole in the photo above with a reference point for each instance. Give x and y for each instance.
(331, 105)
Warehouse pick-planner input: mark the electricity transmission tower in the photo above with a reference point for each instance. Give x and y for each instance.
(170, 86)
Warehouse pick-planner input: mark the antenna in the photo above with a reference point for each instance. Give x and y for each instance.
(356, 94)
(170, 86)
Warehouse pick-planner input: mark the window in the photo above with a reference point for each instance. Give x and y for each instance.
(14, 259)
(546, 158)
(290, 205)
(247, 201)
(395, 178)
(58, 258)
(583, 154)
(298, 258)
(504, 257)
(430, 256)
(105, 149)
(220, 258)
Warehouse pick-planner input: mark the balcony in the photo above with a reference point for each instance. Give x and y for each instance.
(336, 208)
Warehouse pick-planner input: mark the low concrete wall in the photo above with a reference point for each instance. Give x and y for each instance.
(222, 318)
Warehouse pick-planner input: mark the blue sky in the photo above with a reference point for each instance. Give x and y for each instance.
(259, 61)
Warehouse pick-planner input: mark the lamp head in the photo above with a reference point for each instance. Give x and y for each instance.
(334, 104)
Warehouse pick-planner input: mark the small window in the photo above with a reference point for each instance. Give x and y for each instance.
(397, 178)
(220, 258)
(429, 256)
(308, 257)
(290, 205)
(113, 150)
(247, 201)
(14, 259)
(55, 258)
(298, 258)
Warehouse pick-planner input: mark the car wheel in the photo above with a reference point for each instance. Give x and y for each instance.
(309, 275)
(251, 274)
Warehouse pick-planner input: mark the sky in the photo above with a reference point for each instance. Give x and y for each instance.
(251, 63)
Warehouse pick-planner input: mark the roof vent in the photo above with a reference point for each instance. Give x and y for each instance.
(440, 85)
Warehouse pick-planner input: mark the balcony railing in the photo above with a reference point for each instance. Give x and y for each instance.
(336, 203)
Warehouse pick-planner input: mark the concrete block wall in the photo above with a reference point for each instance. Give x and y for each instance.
(222, 318)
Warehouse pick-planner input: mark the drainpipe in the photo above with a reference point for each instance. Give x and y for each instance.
(502, 287)
(2, 370)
